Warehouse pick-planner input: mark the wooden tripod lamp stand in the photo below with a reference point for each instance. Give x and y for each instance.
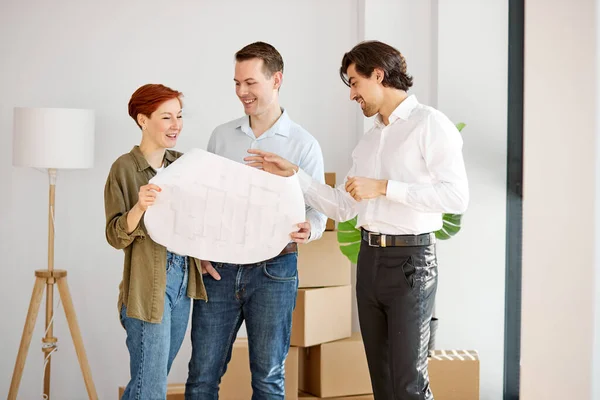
(52, 138)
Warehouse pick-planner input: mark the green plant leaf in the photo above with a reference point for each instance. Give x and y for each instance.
(348, 236)
(351, 251)
(450, 227)
(442, 235)
(349, 239)
(460, 126)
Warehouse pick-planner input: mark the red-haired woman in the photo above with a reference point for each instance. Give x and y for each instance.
(154, 295)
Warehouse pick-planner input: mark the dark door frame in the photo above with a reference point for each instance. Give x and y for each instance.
(514, 200)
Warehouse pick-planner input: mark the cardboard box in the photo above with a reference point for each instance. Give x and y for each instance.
(306, 396)
(321, 263)
(335, 369)
(322, 315)
(454, 374)
(330, 180)
(236, 383)
(175, 391)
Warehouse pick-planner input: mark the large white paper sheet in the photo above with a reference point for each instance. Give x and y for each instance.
(216, 209)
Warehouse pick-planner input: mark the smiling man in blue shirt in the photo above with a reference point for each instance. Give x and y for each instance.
(261, 294)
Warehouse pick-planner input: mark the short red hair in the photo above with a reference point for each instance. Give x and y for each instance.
(146, 99)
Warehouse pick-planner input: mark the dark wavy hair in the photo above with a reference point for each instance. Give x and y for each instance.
(368, 55)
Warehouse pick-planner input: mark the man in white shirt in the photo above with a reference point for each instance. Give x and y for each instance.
(261, 294)
(407, 171)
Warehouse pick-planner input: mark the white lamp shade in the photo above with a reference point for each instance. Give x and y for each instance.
(53, 138)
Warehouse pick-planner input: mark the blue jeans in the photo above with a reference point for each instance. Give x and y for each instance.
(264, 296)
(153, 347)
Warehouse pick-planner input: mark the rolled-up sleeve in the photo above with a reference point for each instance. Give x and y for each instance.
(116, 215)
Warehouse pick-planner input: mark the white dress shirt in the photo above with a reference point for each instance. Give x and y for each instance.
(420, 155)
(286, 138)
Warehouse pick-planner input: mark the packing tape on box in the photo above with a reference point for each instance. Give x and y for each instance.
(451, 355)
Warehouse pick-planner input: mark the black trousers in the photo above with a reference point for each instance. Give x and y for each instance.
(395, 291)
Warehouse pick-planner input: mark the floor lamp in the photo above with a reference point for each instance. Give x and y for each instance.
(52, 139)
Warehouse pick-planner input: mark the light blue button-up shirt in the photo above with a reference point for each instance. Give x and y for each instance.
(285, 138)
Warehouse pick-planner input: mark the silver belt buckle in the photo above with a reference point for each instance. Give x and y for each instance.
(369, 241)
(381, 240)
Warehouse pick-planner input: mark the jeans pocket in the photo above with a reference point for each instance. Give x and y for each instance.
(216, 265)
(284, 269)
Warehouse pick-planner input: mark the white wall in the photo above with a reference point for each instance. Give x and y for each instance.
(560, 210)
(472, 88)
(69, 53)
(596, 345)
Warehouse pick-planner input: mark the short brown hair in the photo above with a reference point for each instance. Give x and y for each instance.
(368, 55)
(272, 60)
(146, 99)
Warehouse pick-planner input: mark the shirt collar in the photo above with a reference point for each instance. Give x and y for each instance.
(403, 111)
(141, 161)
(281, 126)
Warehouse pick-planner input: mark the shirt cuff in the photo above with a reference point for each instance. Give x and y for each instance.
(397, 191)
(121, 230)
(304, 179)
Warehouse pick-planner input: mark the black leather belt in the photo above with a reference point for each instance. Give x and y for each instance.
(375, 239)
(291, 247)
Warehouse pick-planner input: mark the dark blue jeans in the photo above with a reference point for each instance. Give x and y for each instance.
(153, 347)
(264, 296)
